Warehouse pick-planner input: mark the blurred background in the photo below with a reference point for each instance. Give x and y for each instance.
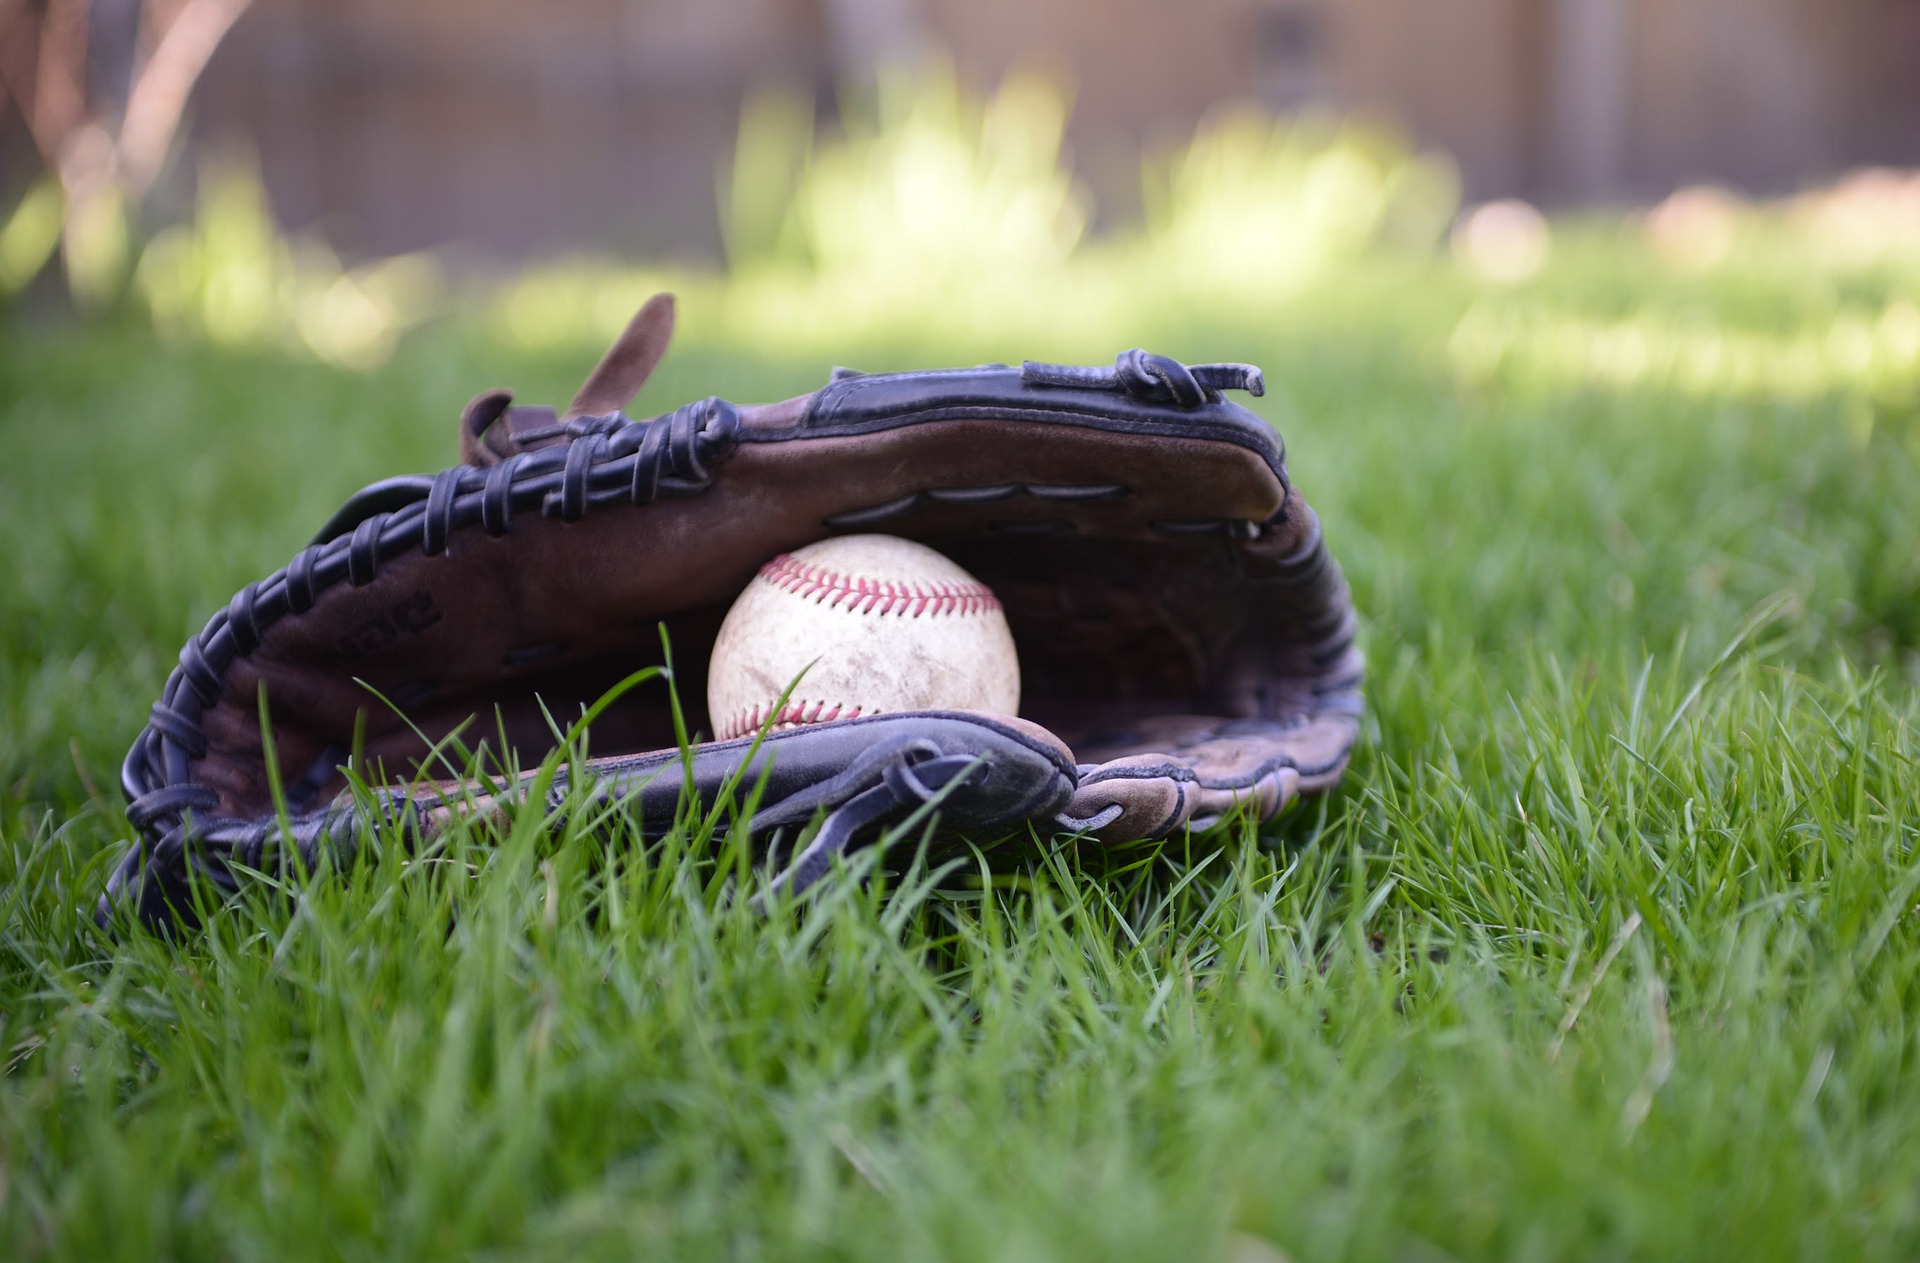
(522, 128)
(394, 125)
(362, 162)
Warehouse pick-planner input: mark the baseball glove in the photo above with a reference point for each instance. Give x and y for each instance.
(1186, 642)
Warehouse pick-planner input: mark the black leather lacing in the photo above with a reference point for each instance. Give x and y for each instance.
(169, 802)
(1154, 378)
(890, 779)
(441, 503)
(610, 460)
(156, 876)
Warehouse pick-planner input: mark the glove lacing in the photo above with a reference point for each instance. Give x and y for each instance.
(909, 774)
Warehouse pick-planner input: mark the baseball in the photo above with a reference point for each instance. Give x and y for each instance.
(878, 624)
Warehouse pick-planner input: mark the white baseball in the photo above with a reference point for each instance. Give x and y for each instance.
(878, 624)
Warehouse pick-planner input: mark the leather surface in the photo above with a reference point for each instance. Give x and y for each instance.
(1186, 641)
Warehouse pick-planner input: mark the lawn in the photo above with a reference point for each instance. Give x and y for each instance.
(1609, 946)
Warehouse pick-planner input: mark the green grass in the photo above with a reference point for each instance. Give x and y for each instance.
(1609, 946)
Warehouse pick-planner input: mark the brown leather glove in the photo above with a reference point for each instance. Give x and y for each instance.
(1186, 641)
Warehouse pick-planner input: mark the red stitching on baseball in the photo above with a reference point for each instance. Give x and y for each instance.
(876, 596)
(796, 712)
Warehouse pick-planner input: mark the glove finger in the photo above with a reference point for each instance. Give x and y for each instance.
(982, 773)
(1209, 767)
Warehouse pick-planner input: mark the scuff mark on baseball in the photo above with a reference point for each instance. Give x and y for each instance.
(878, 624)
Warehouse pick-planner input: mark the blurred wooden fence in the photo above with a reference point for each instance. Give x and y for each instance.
(524, 128)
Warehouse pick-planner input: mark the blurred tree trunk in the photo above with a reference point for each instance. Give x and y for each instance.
(104, 138)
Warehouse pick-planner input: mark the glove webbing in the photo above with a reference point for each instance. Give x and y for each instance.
(619, 460)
